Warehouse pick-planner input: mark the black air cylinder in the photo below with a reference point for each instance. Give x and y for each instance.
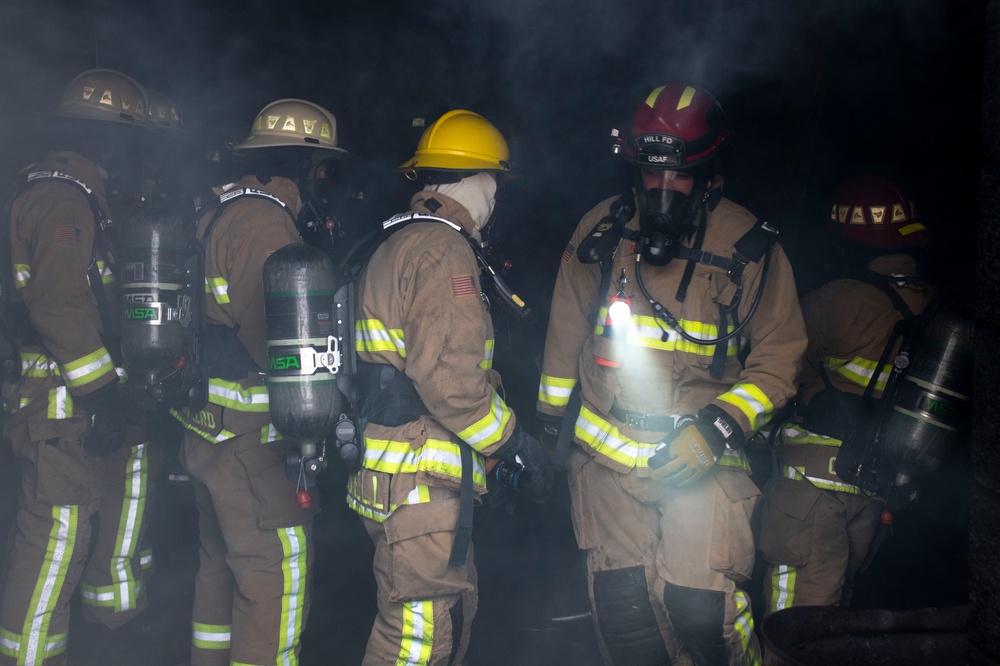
(302, 354)
(152, 277)
(933, 405)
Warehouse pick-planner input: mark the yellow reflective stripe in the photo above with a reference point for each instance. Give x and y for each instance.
(858, 370)
(487, 361)
(794, 435)
(651, 98)
(436, 455)
(911, 228)
(799, 474)
(60, 403)
(211, 636)
(107, 596)
(293, 596)
(87, 369)
(356, 502)
(743, 624)
(35, 641)
(555, 391)
(219, 288)
(127, 588)
(371, 335)
(22, 273)
(488, 430)
(605, 438)
(686, 97)
(650, 333)
(38, 365)
(750, 400)
(782, 587)
(418, 633)
(269, 434)
(107, 277)
(232, 395)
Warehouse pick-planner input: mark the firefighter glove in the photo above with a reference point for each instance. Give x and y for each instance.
(694, 446)
(524, 450)
(106, 430)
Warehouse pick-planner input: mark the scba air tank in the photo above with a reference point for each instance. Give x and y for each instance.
(932, 410)
(152, 286)
(303, 355)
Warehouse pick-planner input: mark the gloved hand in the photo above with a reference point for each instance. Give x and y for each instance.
(694, 446)
(525, 450)
(106, 432)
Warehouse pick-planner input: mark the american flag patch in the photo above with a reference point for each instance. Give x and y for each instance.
(67, 234)
(568, 252)
(463, 286)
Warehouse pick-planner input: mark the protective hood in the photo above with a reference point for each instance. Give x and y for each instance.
(476, 193)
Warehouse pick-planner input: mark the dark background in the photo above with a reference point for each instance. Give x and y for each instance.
(815, 91)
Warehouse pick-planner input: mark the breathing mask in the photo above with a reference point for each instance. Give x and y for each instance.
(667, 216)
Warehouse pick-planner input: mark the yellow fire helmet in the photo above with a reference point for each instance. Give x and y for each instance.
(293, 122)
(163, 112)
(104, 94)
(459, 140)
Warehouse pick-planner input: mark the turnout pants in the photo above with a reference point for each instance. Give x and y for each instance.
(252, 587)
(664, 562)
(815, 542)
(63, 496)
(425, 606)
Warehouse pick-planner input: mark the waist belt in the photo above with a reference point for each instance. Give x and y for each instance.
(388, 396)
(643, 421)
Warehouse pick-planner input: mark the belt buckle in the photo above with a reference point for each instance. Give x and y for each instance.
(637, 421)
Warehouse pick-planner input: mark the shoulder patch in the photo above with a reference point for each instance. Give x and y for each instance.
(463, 286)
(568, 252)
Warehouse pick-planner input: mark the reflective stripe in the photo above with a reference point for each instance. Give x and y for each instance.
(128, 589)
(38, 365)
(555, 391)
(48, 588)
(221, 437)
(436, 455)
(355, 500)
(107, 277)
(418, 632)
(211, 636)
(10, 645)
(22, 273)
(649, 332)
(293, 571)
(604, 437)
(219, 288)
(489, 429)
(269, 434)
(60, 403)
(782, 586)
(743, 624)
(798, 474)
(232, 395)
(487, 361)
(858, 370)
(750, 400)
(87, 369)
(371, 335)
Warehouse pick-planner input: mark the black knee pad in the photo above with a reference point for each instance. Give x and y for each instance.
(625, 618)
(697, 617)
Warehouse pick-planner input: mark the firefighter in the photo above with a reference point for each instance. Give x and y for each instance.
(433, 404)
(81, 442)
(252, 589)
(818, 531)
(674, 334)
